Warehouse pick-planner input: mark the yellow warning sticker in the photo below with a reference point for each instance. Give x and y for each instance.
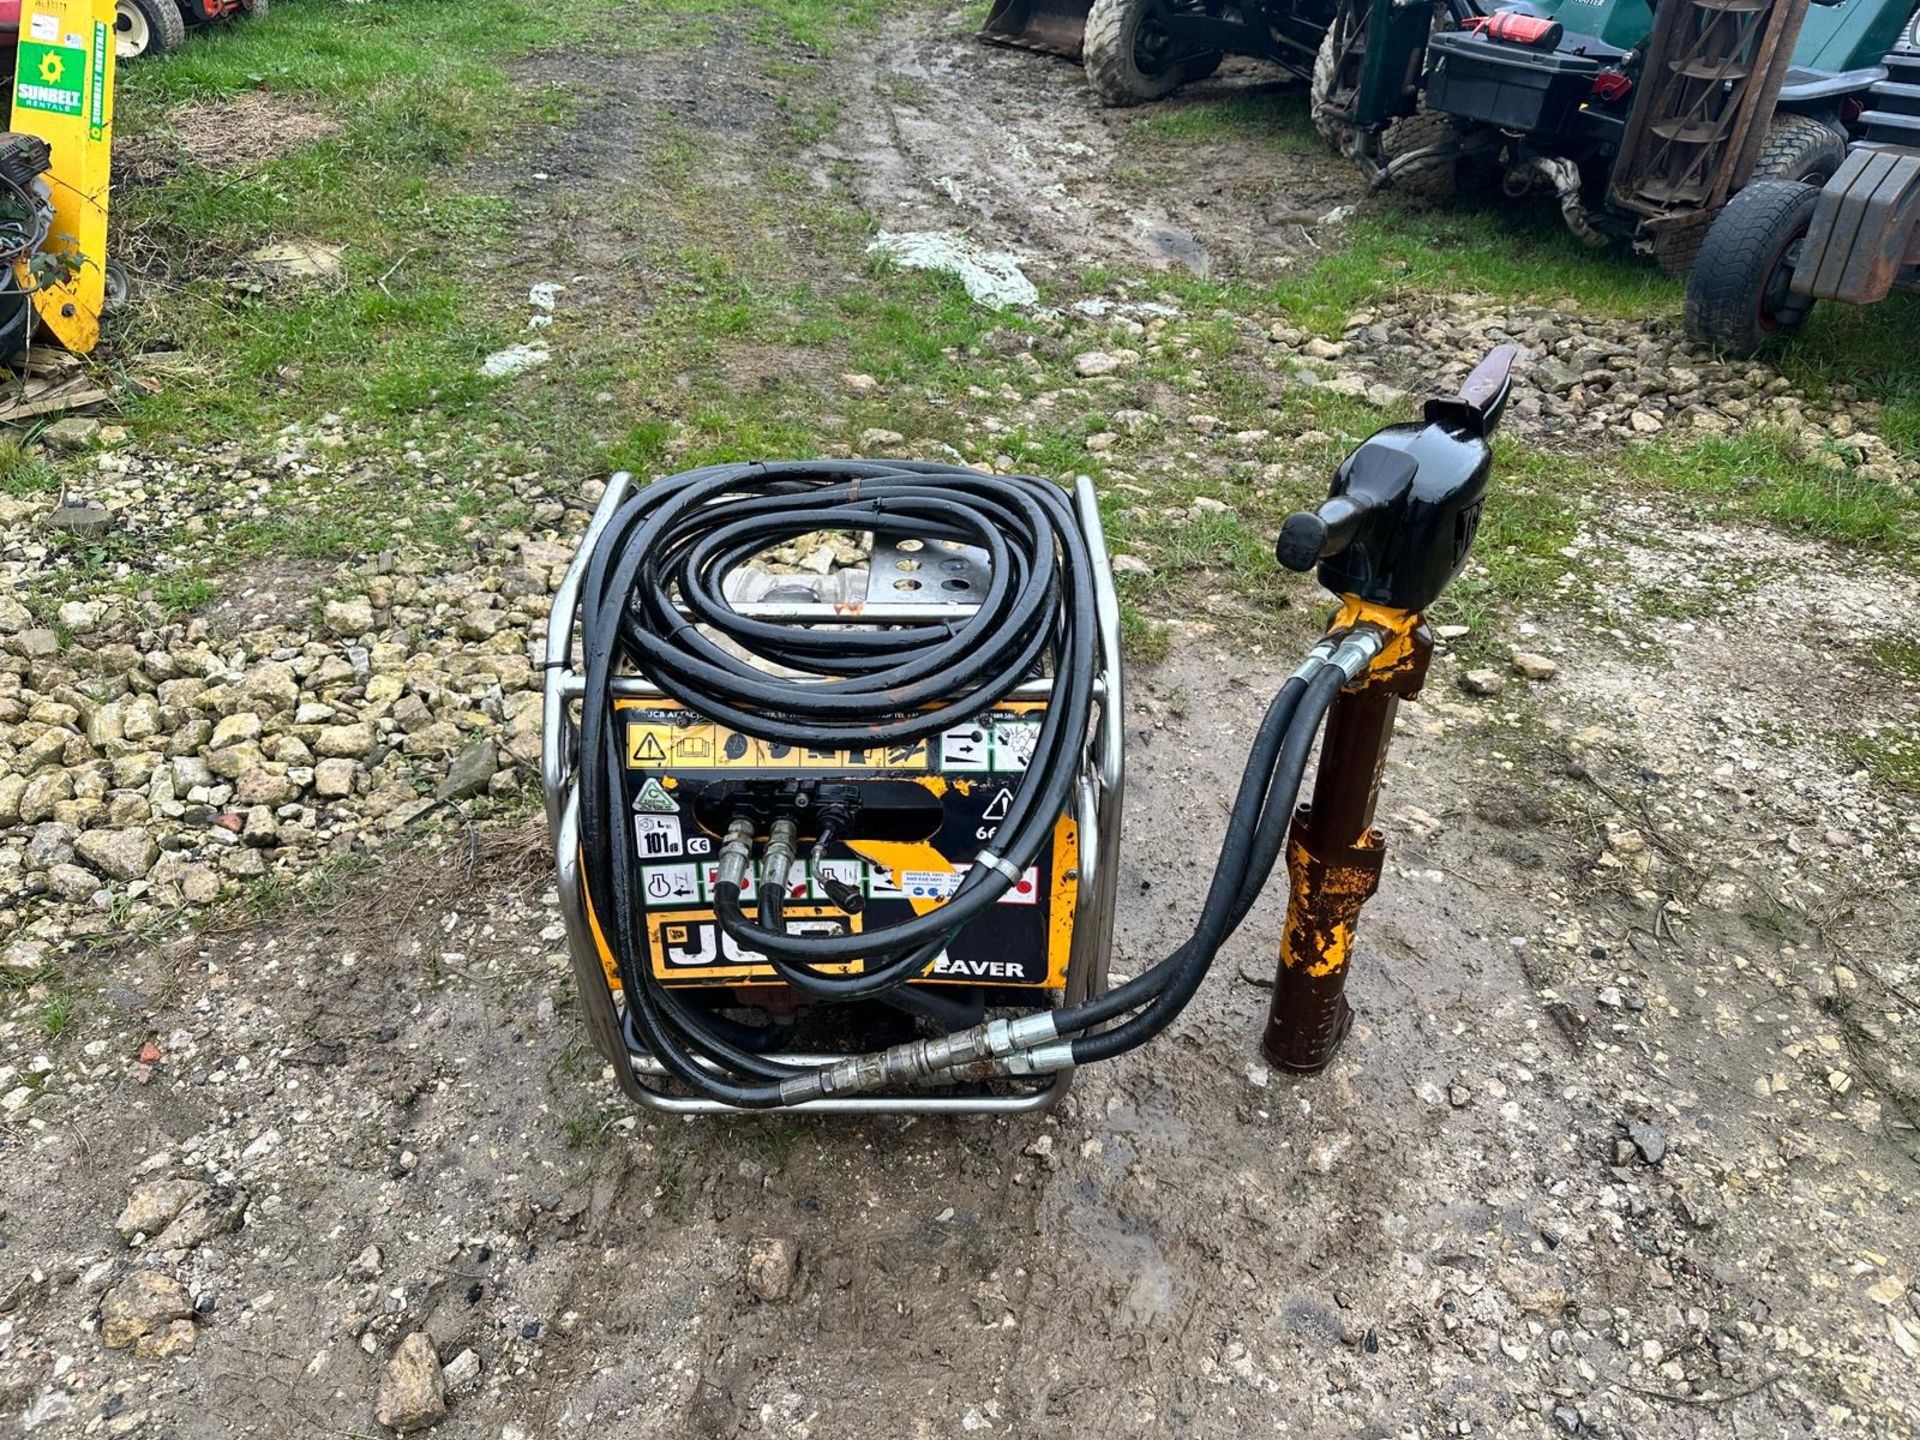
(999, 743)
(694, 747)
(703, 745)
(647, 745)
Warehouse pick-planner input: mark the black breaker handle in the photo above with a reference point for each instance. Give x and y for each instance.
(1379, 478)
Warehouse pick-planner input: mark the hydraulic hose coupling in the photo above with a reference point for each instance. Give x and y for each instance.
(736, 849)
(1028, 1045)
(783, 846)
(1357, 651)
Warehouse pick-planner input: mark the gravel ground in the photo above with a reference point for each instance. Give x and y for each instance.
(1623, 1144)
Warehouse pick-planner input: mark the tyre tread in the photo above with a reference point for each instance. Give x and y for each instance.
(1799, 147)
(166, 26)
(1729, 272)
(1108, 57)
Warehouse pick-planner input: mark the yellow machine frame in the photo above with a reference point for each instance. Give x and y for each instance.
(63, 92)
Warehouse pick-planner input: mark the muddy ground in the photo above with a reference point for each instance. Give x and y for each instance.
(1623, 1144)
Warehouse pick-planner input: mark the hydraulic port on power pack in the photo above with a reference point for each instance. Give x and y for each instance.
(893, 810)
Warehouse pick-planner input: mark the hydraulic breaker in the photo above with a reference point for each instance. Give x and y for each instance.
(1396, 528)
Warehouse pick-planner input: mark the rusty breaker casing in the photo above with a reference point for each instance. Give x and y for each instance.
(1334, 852)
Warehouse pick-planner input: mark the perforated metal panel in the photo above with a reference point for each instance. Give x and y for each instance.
(929, 572)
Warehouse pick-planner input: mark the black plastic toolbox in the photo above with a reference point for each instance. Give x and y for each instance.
(1513, 87)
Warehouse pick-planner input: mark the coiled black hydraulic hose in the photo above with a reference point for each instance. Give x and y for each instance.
(657, 573)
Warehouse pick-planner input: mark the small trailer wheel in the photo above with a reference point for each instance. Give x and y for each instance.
(119, 288)
(1131, 60)
(147, 27)
(1740, 295)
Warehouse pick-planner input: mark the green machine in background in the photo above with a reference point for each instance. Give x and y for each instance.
(1640, 121)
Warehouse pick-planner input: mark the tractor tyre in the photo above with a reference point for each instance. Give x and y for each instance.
(1799, 147)
(1326, 97)
(1328, 100)
(1419, 131)
(1121, 40)
(1674, 251)
(1739, 296)
(119, 288)
(147, 27)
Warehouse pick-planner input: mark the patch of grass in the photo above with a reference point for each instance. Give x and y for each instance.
(23, 473)
(1143, 641)
(588, 1128)
(1512, 251)
(1894, 762)
(642, 449)
(56, 1014)
(1273, 117)
(181, 592)
(902, 327)
(1870, 347)
(670, 1190)
(1762, 474)
(311, 892)
(1899, 657)
(1672, 602)
(417, 88)
(349, 52)
(19, 982)
(381, 354)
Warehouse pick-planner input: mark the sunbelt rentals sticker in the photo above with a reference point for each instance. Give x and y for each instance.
(51, 78)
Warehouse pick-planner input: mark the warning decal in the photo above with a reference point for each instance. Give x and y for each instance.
(678, 885)
(647, 745)
(682, 766)
(996, 743)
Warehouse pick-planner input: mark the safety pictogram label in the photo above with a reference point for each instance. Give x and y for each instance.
(994, 744)
(653, 799)
(670, 886)
(647, 745)
(658, 836)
